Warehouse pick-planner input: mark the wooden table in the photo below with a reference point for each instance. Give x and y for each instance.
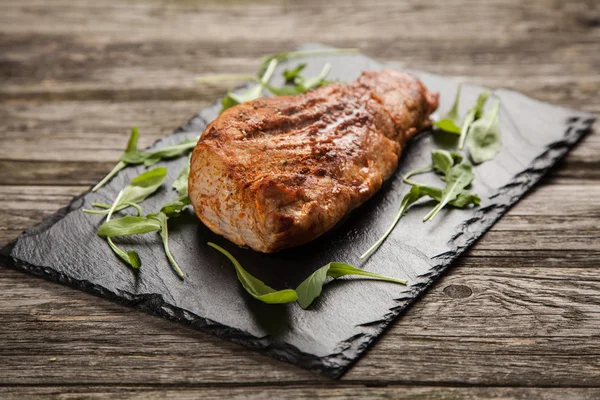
(518, 317)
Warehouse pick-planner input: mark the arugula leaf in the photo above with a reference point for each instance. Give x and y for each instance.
(142, 186)
(472, 115)
(131, 147)
(290, 75)
(180, 184)
(302, 84)
(130, 256)
(457, 179)
(442, 161)
(152, 157)
(137, 191)
(306, 84)
(161, 218)
(253, 93)
(127, 226)
(312, 286)
(174, 208)
(255, 287)
(450, 121)
(409, 198)
(484, 136)
(132, 156)
(280, 57)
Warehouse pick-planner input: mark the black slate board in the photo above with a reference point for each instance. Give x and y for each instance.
(331, 335)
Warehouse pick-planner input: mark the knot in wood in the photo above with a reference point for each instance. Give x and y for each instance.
(458, 291)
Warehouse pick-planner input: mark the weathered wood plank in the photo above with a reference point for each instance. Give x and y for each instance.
(521, 309)
(139, 19)
(476, 327)
(332, 391)
(89, 131)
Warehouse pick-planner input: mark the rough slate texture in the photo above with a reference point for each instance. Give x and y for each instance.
(341, 324)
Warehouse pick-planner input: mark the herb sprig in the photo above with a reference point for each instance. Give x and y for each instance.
(299, 84)
(479, 129)
(456, 174)
(484, 136)
(132, 156)
(137, 191)
(307, 291)
(451, 121)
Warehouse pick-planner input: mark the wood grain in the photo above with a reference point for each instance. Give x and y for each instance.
(517, 317)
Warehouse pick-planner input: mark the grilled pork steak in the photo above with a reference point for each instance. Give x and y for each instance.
(278, 172)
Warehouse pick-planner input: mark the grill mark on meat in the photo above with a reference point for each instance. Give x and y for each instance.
(278, 172)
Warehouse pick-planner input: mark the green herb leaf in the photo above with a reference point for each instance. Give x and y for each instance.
(255, 287)
(130, 257)
(457, 179)
(242, 96)
(174, 208)
(152, 157)
(407, 179)
(127, 226)
(132, 156)
(450, 121)
(473, 114)
(181, 182)
(161, 218)
(142, 186)
(291, 75)
(131, 147)
(312, 286)
(484, 136)
(280, 57)
(409, 198)
(253, 93)
(442, 161)
(306, 84)
(137, 191)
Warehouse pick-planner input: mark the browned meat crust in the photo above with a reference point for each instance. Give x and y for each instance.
(278, 172)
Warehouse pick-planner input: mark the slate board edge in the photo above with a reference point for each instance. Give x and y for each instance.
(337, 364)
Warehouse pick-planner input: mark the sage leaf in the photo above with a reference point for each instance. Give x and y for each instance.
(312, 286)
(483, 140)
(457, 179)
(451, 121)
(255, 287)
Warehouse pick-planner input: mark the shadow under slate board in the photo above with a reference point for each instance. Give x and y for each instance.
(336, 330)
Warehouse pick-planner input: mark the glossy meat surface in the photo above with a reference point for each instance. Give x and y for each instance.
(279, 172)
